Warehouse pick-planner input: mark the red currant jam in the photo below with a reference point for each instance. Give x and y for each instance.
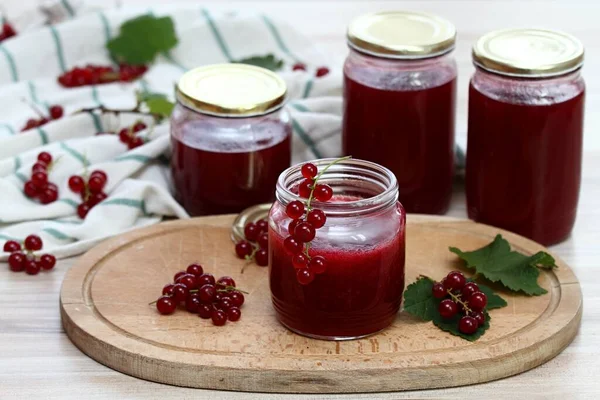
(221, 180)
(524, 164)
(362, 244)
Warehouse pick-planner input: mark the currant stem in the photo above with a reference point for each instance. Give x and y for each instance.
(312, 190)
(232, 289)
(34, 108)
(458, 300)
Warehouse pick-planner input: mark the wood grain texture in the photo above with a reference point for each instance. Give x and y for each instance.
(105, 311)
(37, 358)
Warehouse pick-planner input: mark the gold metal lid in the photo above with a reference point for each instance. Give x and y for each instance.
(251, 214)
(401, 34)
(231, 90)
(528, 52)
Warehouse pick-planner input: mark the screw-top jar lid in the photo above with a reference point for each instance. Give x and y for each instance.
(401, 34)
(231, 90)
(532, 53)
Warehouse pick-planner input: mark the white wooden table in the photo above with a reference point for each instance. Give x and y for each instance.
(37, 360)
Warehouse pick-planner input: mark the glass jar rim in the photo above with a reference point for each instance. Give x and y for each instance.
(348, 167)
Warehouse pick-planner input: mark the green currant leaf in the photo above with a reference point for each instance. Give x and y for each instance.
(156, 103)
(451, 326)
(267, 61)
(142, 38)
(419, 300)
(497, 263)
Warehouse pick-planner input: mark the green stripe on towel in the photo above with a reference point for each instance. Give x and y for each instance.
(306, 139)
(43, 135)
(217, 35)
(299, 107)
(75, 154)
(33, 95)
(139, 204)
(278, 38)
(22, 177)
(58, 234)
(11, 64)
(59, 50)
(70, 202)
(134, 157)
(9, 128)
(17, 163)
(68, 7)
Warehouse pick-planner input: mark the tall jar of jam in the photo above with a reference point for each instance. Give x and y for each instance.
(357, 289)
(525, 132)
(231, 138)
(399, 103)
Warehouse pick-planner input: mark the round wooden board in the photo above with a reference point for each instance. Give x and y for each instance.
(105, 312)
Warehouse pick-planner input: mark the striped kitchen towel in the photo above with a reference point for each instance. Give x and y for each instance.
(138, 189)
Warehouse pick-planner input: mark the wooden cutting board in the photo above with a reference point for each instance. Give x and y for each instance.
(105, 312)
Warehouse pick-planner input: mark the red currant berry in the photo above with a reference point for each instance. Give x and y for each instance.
(76, 184)
(218, 317)
(479, 317)
(97, 198)
(207, 293)
(309, 170)
(125, 135)
(469, 289)
(477, 301)
(263, 240)
(180, 292)
(192, 303)
(292, 246)
(323, 192)
(305, 188)
(234, 314)
(39, 167)
(31, 123)
(467, 325)
(316, 218)
(322, 71)
(135, 142)
(47, 261)
(224, 303)
(295, 209)
(96, 184)
(317, 264)
(225, 281)
(83, 209)
(16, 262)
(292, 226)
(189, 281)
(447, 308)
(139, 126)
(49, 194)
(262, 258)
(305, 276)
(168, 289)
(195, 269)
(299, 67)
(455, 281)
(30, 189)
(243, 249)
(39, 179)
(101, 174)
(32, 267)
(33, 243)
(56, 112)
(205, 311)
(206, 279)
(178, 275)
(438, 291)
(166, 305)
(45, 157)
(262, 225)
(12, 246)
(304, 232)
(300, 261)
(237, 298)
(251, 231)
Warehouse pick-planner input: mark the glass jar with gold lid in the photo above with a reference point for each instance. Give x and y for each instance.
(231, 138)
(399, 102)
(526, 107)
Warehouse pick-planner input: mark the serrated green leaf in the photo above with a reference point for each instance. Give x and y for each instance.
(160, 106)
(267, 61)
(497, 263)
(419, 301)
(142, 38)
(451, 326)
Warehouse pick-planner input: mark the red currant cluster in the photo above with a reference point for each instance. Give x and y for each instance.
(98, 74)
(38, 187)
(128, 135)
(27, 261)
(7, 31)
(321, 71)
(55, 112)
(92, 191)
(256, 245)
(305, 221)
(218, 300)
(458, 295)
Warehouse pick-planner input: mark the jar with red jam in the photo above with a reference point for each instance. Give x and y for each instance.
(231, 138)
(526, 108)
(399, 103)
(363, 245)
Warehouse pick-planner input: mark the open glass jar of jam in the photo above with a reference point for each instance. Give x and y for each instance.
(526, 107)
(231, 138)
(363, 245)
(399, 103)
